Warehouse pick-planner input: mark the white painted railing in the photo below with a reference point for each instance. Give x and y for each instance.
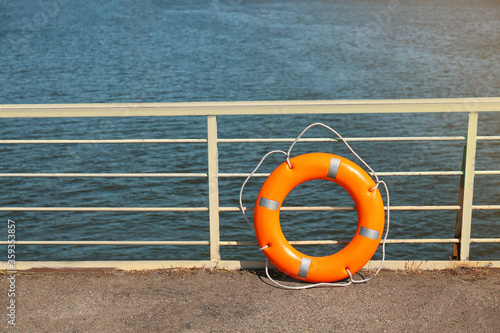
(461, 241)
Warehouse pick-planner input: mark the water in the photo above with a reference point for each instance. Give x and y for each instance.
(167, 51)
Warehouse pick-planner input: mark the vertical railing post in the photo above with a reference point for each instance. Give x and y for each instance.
(213, 189)
(458, 224)
(468, 186)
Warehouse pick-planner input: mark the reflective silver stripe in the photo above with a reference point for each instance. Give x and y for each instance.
(334, 168)
(269, 204)
(369, 233)
(304, 267)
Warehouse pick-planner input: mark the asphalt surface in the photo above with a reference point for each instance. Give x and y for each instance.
(196, 300)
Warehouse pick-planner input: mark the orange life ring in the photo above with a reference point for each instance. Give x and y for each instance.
(355, 181)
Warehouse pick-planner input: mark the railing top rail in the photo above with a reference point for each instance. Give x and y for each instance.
(481, 104)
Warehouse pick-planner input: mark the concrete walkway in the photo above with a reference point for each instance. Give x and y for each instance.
(462, 300)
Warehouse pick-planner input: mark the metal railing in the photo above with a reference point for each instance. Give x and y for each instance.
(211, 110)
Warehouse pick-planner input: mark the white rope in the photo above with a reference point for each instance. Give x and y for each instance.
(385, 237)
(314, 285)
(340, 137)
(377, 183)
(248, 178)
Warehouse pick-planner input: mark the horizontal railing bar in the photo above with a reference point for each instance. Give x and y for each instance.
(225, 209)
(442, 105)
(385, 174)
(103, 141)
(132, 265)
(344, 208)
(242, 175)
(487, 172)
(388, 241)
(352, 208)
(303, 208)
(226, 175)
(489, 137)
(104, 209)
(246, 243)
(142, 243)
(242, 140)
(106, 175)
(485, 207)
(334, 242)
(485, 240)
(374, 139)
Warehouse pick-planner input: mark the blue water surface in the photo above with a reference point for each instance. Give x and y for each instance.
(75, 51)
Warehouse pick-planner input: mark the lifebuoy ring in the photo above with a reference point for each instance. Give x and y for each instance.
(355, 181)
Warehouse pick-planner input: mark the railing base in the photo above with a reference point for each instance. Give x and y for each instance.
(231, 265)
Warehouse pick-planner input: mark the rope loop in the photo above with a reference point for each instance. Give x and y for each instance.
(374, 187)
(340, 137)
(349, 272)
(248, 178)
(314, 285)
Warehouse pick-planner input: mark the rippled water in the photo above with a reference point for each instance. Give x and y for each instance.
(166, 51)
